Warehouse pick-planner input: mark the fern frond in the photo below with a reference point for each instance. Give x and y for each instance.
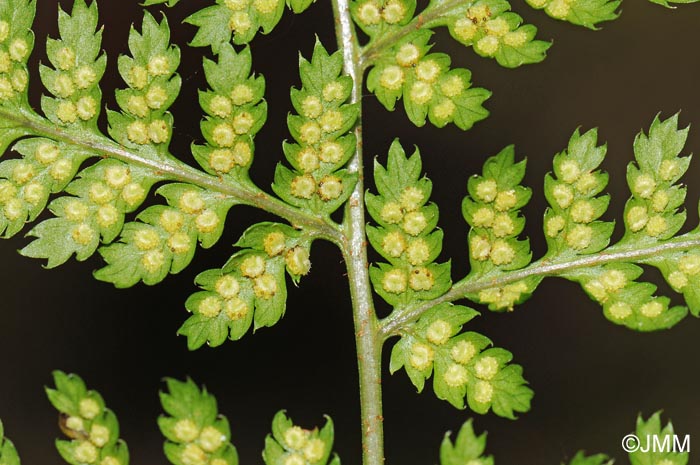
(492, 30)
(318, 183)
(398, 44)
(235, 113)
(163, 238)
(650, 216)
(251, 286)
(239, 20)
(486, 25)
(462, 364)
(570, 224)
(8, 453)
(587, 13)
(652, 429)
(426, 83)
(291, 444)
(578, 242)
(250, 289)
(93, 429)
(406, 236)
(44, 167)
(105, 191)
(598, 459)
(195, 432)
(492, 209)
(17, 39)
(169, 3)
(467, 447)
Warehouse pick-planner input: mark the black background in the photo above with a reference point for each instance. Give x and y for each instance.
(591, 378)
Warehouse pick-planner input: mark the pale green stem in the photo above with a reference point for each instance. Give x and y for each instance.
(174, 170)
(403, 317)
(368, 340)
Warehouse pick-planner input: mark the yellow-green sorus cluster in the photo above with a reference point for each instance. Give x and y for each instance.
(494, 32)
(405, 238)
(196, 434)
(293, 445)
(241, 19)
(370, 15)
(246, 16)
(252, 278)
(570, 224)
(505, 297)
(462, 354)
(571, 227)
(77, 68)
(682, 272)
(105, 191)
(167, 241)
(405, 242)
(101, 196)
(199, 446)
(320, 129)
(302, 447)
(152, 83)
(25, 183)
(93, 436)
(462, 364)
(492, 210)
(235, 112)
(232, 293)
(84, 418)
(427, 85)
(559, 9)
(15, 47)
(652, 212)
(586, 13)
(626, 301)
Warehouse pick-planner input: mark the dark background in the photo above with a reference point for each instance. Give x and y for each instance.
(591, 377)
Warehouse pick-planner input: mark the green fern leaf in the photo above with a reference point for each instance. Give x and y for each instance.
(467, 448)
(8, 453)
(492, 209)
(429, 88)
(45, 166)
(236, 112)
(571, 226)
(587, 13)
(91, 426)
(194, 430)
(239, 20)
(317, 183)
(292, 444)
(250, 288)
(170, 3)
(144, 123)
(406, 236)
(164, 240)
(652, 430)
(599, 459)
(463, 364)
(493, 31)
